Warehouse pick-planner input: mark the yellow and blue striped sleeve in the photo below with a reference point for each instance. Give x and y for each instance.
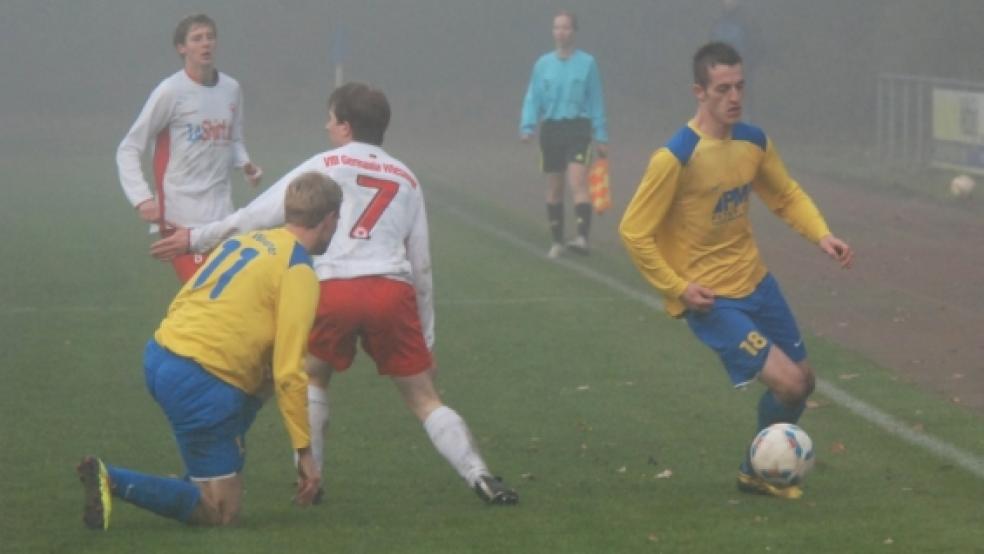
(643, 218)
(296, 307)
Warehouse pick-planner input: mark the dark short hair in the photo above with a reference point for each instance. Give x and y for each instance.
(364, 108)
(181, 31)
(309, 198)
(709, 55)
(569, 15)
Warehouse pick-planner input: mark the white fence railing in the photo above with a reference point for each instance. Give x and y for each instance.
(924, 121)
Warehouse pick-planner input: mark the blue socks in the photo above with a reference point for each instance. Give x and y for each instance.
(770, 411)
(164, 496)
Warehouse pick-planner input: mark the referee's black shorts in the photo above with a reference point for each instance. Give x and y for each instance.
(563, 141)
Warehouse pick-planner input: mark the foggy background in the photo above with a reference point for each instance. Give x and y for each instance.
(80, 71)
(76, 73)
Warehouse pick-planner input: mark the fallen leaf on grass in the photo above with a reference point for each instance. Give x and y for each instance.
(652, 537)
(622, 469)
(527, 476)
(665, 474)
(838, 448)
(584, 387)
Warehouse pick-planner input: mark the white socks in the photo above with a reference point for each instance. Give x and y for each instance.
(454, 441)
(318, 420)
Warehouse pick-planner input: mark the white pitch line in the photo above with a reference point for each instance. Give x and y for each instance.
(893, 426)
(943, 449)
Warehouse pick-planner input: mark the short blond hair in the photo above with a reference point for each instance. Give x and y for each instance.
(309, 198)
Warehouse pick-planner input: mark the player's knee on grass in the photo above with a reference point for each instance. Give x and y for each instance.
(220, 502)
(207, 514)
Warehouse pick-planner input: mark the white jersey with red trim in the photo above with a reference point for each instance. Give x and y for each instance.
(198, 137)
(382, 225)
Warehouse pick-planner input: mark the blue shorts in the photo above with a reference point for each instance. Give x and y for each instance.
(209, 417)
(742, 330)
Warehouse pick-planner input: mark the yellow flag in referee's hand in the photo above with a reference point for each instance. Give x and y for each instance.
(601, 196)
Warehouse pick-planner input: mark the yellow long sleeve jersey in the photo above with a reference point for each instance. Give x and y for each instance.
(250, 307)
(688, 221)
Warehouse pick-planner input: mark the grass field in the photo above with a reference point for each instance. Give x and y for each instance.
(617, 428)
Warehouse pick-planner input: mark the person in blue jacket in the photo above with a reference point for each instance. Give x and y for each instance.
(564, 98)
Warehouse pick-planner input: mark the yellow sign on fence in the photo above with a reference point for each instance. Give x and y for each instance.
(958, 130)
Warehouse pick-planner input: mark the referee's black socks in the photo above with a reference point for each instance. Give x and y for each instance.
(583, 213)
(555, 216)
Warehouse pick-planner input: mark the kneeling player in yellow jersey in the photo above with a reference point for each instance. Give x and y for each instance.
(249, 307)
(688, 232)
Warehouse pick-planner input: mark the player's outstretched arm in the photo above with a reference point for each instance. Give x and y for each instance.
(173, 245)
(838, 250)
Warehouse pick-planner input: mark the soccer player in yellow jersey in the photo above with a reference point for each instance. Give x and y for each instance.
(687, 230)
(248, 308)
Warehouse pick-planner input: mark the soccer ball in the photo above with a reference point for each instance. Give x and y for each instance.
(962, 185)
(782, 454)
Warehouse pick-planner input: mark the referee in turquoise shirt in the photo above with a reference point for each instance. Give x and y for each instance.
(565, 95)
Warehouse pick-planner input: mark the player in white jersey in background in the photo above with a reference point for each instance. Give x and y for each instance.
(376, 283)
(195, 118)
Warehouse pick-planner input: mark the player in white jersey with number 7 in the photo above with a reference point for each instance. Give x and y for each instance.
(376, 283)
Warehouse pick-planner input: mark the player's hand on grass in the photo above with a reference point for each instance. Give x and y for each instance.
(177, 242)
(698, 298)
(149, 211)
(253, 173)
(838, 250)
(308, 478)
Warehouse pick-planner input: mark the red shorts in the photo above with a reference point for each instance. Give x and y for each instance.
(380, 311)
(186, 265)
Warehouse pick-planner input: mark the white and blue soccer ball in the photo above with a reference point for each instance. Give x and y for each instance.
(782, 454)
